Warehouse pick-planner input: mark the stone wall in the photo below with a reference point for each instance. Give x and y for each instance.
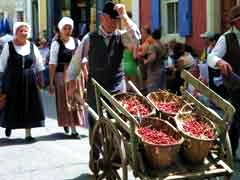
(8, 6)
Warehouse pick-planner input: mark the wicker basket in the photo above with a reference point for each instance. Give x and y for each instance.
(165, 96)
(160, 156)
(194, 149)
(125, 96)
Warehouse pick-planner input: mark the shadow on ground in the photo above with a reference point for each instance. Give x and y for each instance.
(50, 137)
(59, 136)
(83, 177)
(17, 141)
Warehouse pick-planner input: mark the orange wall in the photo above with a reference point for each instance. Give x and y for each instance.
(145, 12)
(199, 25)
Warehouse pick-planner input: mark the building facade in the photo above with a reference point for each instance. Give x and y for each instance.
(185, 20)
(8, 7)
(83, 12)
(15, 10)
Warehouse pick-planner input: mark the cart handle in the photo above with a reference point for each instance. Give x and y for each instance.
(107, 95)
(226, 106)
(140, 94)
(135, 88)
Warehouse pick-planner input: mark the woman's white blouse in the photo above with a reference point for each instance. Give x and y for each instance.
(70, 44)
(22, 50)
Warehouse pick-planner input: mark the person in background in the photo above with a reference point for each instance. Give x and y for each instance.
(6, 28)
(146, 40)
(225, 56)
(103, 50)
(199, 71)
(43, 48)
(5, 23)
(181, 60)
(168, 63)
(209, 42)
(171, 44)
(56, 34)
(44, 51)
(154, 62)
(130, 64)
(20, 65)
(61, 51)
(5, 39)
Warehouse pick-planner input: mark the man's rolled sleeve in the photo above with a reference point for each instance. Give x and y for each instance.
(79, 56)
(132, 30)
(212, 60)
(217, 53)
(74, 67)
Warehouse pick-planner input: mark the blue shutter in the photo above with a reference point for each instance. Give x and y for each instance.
(185, 17)
(156, 18)
(1, 27)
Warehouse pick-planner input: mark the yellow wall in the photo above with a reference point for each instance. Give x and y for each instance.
(42, 15)
(93, 19)
(128, 4)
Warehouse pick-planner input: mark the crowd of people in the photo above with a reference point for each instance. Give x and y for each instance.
(112, 56)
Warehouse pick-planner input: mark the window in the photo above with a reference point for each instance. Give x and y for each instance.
(172, 19)
(19, 15)
(170, 16)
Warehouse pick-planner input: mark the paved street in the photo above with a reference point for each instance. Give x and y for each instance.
(54, 156)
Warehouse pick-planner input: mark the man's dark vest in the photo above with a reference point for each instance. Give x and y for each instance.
(64, 55)
(233, 58)
(105, 62)
(233, 52)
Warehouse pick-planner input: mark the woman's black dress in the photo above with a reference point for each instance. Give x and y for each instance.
(23, 107)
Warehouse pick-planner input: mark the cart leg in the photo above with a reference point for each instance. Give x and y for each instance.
(228, 155)
(107, 155)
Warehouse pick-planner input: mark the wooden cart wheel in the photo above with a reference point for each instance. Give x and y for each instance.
(107, 155)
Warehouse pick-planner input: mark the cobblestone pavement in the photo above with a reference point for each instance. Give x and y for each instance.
(53, 156)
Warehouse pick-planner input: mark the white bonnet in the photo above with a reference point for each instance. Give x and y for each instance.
(16, 25)
(65, 21)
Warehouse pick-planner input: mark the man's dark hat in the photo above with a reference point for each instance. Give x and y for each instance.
(109, 10)
(235, 13)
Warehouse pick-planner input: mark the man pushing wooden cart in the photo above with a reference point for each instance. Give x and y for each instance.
(116, 142)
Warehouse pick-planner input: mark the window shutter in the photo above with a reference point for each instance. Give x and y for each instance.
(156, 18)
(1, 26)
(185, 17)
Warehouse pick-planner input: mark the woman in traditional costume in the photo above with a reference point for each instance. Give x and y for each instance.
(69, 112)
(21, 67)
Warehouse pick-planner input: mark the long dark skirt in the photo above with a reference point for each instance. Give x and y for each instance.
(23, 107)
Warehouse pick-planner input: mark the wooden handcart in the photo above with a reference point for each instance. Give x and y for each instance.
(115, 146)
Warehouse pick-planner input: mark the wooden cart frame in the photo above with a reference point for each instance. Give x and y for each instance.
(115, 146)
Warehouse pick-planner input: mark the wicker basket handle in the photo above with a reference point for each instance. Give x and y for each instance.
(181, 111)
